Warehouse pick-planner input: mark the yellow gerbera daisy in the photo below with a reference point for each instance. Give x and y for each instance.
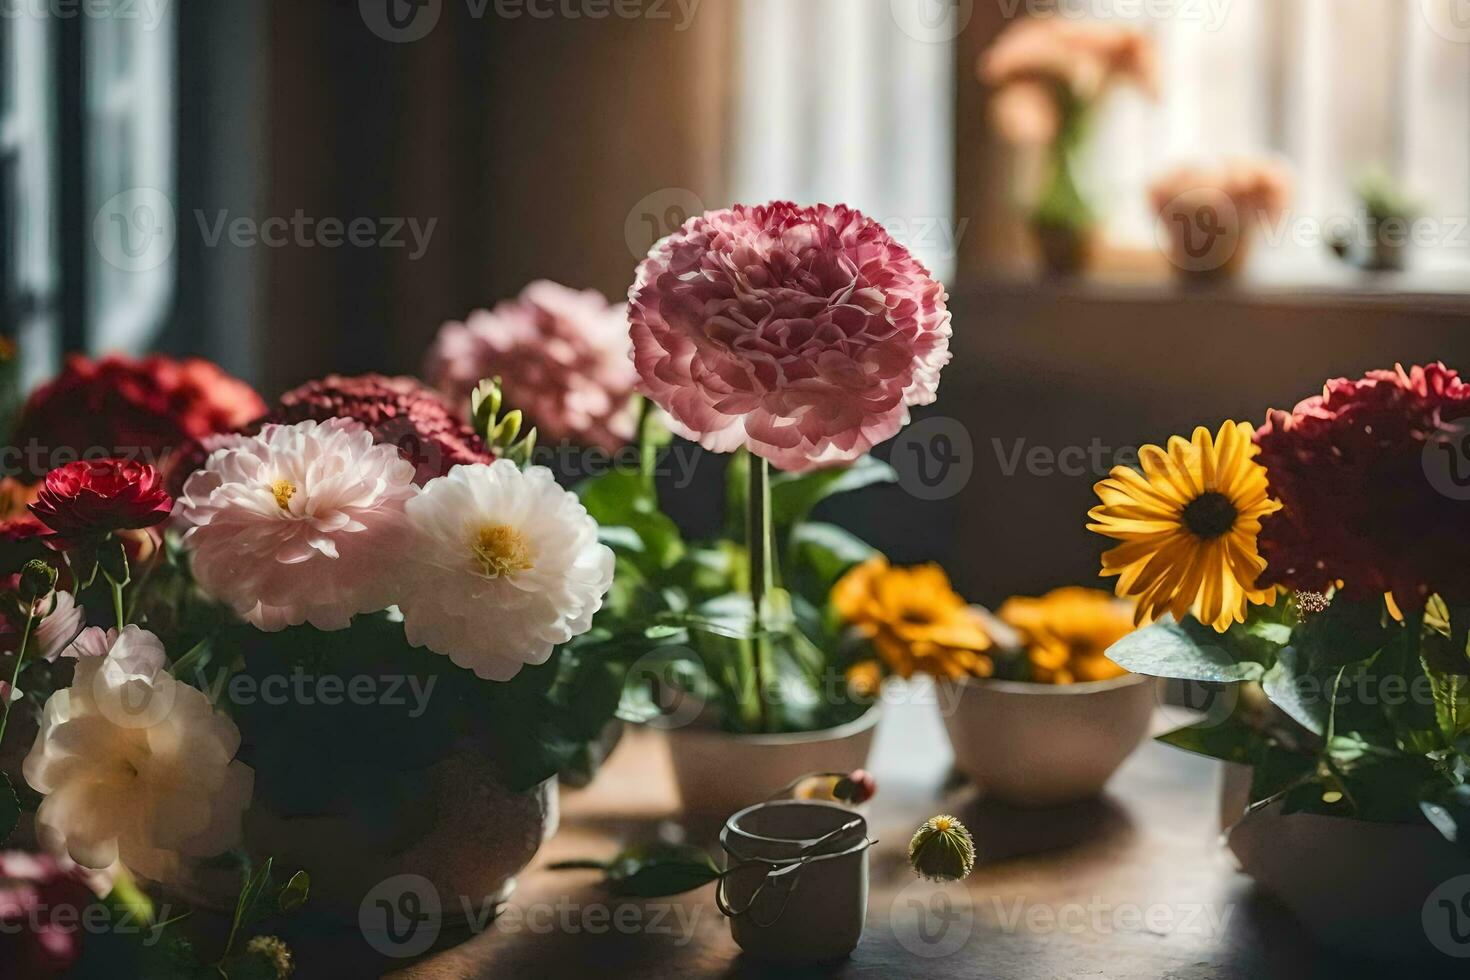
(916, 621)
(1188, 524)
(1067, 633)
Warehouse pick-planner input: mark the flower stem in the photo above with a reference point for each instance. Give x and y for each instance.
(758, 550)
(20, 659)
(117, 603)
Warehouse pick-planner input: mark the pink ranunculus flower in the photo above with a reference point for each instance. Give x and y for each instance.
(802, 333)
(561, 355)
(298, 524)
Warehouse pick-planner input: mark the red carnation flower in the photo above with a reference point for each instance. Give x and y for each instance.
(1361, 502)
(89, 499)
(137, 408)
(398, 411)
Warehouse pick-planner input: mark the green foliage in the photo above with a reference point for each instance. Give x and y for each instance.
(652, 870)
(679, 620)
(1365, 716)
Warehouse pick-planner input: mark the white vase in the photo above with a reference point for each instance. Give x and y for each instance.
(1036, 745)
(1389, 891)
(797, 891)
(718, 773)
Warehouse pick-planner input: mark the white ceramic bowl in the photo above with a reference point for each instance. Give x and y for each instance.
(1035, 745)
(718, 773)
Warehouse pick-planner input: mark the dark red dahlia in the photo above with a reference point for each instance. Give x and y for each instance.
(89, 499)
(1368, 474)
(129, 407)
(399, 411)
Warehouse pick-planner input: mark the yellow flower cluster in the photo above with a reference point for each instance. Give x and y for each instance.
(915, 620)
(1067, 633)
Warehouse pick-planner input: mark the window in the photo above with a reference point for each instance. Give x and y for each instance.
(1333, 88)
(86, 255)
(838, 102)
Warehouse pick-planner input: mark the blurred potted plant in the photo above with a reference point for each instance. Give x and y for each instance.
(1389, 212)
(796, 338)
(1318, 558)
(1047, 76)
(1210, 217)
(1036, 713)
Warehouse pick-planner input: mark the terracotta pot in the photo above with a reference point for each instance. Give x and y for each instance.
(1035, 745)
(478, 836)
(1389, 891)
(718, 773)
(798, 887)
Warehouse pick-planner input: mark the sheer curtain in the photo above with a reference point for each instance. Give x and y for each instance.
(1333, 88)
(846, 101)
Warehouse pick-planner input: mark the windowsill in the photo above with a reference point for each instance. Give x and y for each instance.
(1269, 281)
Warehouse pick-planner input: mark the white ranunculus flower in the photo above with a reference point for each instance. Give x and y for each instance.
(298, 524)
(506, 565)
(135, 765)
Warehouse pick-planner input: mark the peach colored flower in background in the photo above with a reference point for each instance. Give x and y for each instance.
(802, 333)
(562, 356)
(1255, 188)
(1085, 59)
(1025, 113)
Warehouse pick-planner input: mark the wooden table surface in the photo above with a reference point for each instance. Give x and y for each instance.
(1134, 886)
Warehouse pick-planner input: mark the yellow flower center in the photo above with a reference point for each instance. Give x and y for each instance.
(501, 549)
(943, 823)
(283, 490)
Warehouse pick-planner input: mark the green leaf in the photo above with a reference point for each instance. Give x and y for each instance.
(793, 497)
(1345, 633)
(294, 895)
(9, 808)
(1305, 696)
(1187, 651)
(657, 870)
(620, 498)
(820, 554)
(1230, 741)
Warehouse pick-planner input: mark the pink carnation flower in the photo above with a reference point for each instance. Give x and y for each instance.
(295, 525)
(561, 356)
(802, 333)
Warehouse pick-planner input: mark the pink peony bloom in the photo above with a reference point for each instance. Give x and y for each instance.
(562, 357)
(294, 525)
(802, 333)
(1084, 59)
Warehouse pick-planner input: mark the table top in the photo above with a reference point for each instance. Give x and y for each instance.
(1133, 885)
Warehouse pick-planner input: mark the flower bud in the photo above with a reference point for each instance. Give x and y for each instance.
(269, 957)
(942, 850)
(112, 558)
(37, 579)
(857, 787)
